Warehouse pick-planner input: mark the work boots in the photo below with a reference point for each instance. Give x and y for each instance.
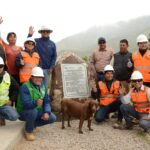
(2, 122)
(29, 136)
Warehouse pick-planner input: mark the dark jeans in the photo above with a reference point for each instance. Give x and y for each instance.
(103, 111)
(9, 113)
(129, 113)
(100, 76)
(33, 119)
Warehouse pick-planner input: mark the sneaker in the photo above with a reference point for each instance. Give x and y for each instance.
(29, 136)
(2, 122)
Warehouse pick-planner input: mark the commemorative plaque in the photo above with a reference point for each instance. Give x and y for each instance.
(75, 82)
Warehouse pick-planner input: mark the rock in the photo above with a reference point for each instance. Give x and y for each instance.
(57, 85)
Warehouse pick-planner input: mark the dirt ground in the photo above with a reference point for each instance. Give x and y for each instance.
(104, 137)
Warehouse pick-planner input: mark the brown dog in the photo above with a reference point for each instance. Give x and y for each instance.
(82, 111)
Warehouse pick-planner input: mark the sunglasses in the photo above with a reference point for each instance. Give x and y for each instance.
(139, 80)
(1, 66)
(45, 31)
(30, 43)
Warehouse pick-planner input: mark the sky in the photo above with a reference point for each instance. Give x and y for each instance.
(66, 17)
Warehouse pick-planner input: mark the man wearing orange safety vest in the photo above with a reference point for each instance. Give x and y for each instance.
(136, 104)
(107, 94)
(27, 60)
(141, 59)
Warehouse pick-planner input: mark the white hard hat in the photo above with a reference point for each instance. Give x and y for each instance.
(141, 38)
(45, 28)
(136, 75)
(37, 72)
(1, 61)
(30, 39)
(108, 68)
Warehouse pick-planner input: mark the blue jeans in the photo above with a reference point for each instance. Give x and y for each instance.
(129, 113)
(103, 111)
(46, 77)
(9, 113)
(33, 119)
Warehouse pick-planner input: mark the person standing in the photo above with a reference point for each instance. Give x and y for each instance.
(141, 58)
(33, 104)
(47, 51)
(122, 62)
(11, 52)
(26, 60)
(101, 57)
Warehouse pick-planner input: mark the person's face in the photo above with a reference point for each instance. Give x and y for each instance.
(102, 45)
(109, 75)
(12, 39)
(37, 80)
(137, 83)
(45, 33)
(143, 45)
(29, 45)
(123, 47)
(1, 68)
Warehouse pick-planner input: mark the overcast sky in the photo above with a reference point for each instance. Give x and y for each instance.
(66, 17)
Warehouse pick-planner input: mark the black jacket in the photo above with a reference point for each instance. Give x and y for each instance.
(122, 71)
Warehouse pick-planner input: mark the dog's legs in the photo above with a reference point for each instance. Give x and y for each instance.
(63, 126)
(89, 124)
(80, 125)
(69, 121)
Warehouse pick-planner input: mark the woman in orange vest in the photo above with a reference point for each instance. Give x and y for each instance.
(27, 60)
(107, 94)
(136, 104)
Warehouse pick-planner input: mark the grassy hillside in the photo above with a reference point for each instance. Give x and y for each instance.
(85, 42)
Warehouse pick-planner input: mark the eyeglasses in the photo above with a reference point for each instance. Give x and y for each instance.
(1, 66)
(139, 80)
(45, 31)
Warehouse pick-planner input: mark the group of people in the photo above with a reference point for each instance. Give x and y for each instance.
(24, 76)
(116, 70)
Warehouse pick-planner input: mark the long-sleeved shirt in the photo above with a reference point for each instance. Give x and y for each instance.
(101, 58)
(31, 104)
(47, 51)
(127, 98)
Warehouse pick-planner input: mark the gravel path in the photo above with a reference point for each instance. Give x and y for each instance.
(104, 137)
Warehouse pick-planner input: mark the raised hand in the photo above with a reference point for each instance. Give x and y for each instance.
(31, 30)
(1, 20)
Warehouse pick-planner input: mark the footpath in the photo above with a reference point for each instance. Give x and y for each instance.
(10, 134)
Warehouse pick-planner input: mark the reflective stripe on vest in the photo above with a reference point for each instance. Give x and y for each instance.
(30, 63)
(140, 101)
(142, 63)
(4, 89)
(106, 96)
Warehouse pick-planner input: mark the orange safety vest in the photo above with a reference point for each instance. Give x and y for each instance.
(140, 101)
(142, 64)
(106, 96)
(29, 63)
